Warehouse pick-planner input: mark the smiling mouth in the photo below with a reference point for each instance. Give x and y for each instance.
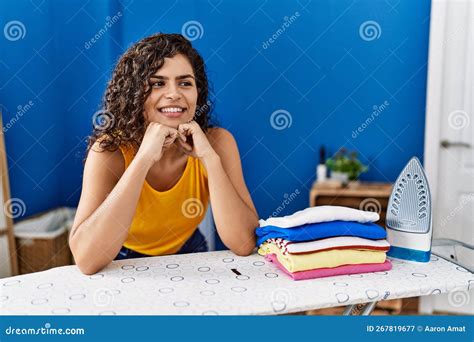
(175, 109)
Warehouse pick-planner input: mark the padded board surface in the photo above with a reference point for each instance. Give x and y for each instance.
(215, 283)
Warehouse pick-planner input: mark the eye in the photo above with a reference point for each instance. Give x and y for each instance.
(157, 84)
(185, 84)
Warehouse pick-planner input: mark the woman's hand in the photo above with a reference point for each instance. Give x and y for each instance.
(157, 138)
(197, 144)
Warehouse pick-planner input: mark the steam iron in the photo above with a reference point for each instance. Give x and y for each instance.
(408, 222)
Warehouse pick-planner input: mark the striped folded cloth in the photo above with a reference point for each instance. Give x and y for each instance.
(339, 242)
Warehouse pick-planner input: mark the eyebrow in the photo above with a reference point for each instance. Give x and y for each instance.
(177, 77)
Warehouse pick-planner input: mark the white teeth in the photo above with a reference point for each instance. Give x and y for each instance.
(171, 109)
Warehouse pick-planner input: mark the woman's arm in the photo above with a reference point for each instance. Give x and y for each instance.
(106, 209)
(109, 199)
(234, 212)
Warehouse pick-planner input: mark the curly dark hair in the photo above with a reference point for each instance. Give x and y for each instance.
(120, 122)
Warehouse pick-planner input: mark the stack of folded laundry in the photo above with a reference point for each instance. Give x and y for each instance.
(324, 241)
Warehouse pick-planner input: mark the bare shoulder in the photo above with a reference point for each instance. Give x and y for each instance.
(221, 140)
(111, 163)
(217, 132)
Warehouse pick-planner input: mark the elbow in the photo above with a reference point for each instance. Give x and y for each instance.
(86, 270)
(88, 267)
(243, 251)
(86, 264)
(242, 245)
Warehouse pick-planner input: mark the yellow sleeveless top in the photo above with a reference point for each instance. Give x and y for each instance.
(164, 220)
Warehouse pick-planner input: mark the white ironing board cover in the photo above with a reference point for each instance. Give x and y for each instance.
(204, 284)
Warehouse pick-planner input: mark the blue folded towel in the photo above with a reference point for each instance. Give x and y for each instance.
(322, 230)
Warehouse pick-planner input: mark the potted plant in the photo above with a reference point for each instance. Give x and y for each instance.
(345, 166)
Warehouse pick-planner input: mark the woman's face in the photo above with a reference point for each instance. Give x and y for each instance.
(173, 96)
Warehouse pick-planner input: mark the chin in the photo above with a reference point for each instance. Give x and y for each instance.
(173, 123)
(177, 122)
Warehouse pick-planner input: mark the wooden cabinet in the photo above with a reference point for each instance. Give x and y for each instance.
(364, 196)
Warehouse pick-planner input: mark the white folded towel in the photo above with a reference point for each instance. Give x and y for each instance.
(322, 213)
(338, 242)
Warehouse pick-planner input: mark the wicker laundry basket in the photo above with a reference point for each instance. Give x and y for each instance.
(42, 241)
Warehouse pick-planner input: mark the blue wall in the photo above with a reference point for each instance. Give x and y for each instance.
(322, 68)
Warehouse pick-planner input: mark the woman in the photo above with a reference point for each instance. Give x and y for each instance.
(154, 165)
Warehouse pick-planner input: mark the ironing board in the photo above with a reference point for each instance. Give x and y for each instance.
(217, 283)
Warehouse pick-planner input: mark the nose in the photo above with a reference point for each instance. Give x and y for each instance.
(172, 93)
